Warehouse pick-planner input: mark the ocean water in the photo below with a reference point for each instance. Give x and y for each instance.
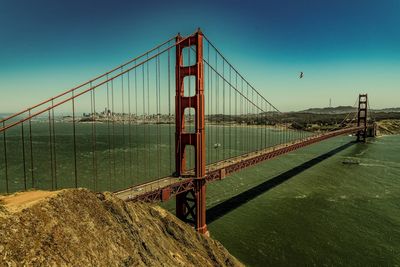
(307, 208)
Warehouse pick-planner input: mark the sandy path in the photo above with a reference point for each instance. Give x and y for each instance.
(22, 200)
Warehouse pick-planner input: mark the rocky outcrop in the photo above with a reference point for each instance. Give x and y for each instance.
(79, 228)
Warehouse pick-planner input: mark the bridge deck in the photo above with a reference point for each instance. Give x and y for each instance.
(164, 188)
(137, 190)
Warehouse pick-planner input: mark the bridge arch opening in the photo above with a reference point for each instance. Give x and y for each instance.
(189, 85)
(189, 55)
(190, 120)
(190, 153)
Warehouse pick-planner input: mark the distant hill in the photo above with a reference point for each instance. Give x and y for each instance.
(387, 110)
(328, 110)
(344, 110)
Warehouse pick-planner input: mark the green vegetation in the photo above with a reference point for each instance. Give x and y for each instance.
(314, 119)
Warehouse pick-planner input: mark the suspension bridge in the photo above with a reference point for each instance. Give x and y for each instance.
(164, 124)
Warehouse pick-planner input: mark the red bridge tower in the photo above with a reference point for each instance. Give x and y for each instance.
(362, 117)
(191, 205)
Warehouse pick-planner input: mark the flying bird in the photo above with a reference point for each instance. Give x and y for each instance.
(217, 145)
(301, 75)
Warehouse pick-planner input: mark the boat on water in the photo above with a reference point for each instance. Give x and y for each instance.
(217, 145)
(351, 161)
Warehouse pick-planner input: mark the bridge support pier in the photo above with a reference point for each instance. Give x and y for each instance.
(191, 205)
(362, 117)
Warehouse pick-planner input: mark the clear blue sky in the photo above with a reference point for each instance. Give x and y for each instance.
(343, 47)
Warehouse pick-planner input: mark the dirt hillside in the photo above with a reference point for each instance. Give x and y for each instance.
(79, 228)
(387, 127)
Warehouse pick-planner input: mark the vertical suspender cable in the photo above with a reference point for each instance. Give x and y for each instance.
(236, 118)
(244, 118)
(230, 112)
(148, 114)
(130, 129)
(254, 118)
(123, 127)
(31, 150)
(94, 140)
(136, 126)
(51, 151)
(158, 117)
(113, 134)
(23, 154)
(157, 114)
(223, 109)
(5, 156)
(54, 148)
(169, 112)
(144, 121)
(210, 104)
(247, 106)
(208, 92)
(108, 134)
(74, 142)
(271, 141)
(217, 104)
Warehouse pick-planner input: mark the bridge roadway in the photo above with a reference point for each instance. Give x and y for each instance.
(164, 188)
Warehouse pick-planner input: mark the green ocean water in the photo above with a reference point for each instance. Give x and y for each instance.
(307, 208)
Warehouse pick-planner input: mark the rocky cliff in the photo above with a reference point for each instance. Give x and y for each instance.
(80, 228)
